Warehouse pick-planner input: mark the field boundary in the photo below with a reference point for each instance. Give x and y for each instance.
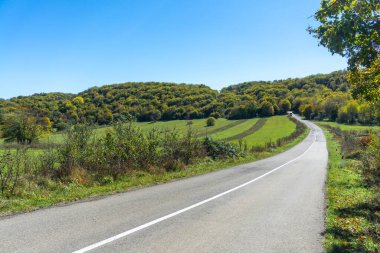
(224, 128)
(300, 129)
(259, 124)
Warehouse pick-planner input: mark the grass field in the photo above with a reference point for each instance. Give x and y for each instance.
(244, 126)
(199, 125)
(275, 127)
(346, 127)
(272, 129)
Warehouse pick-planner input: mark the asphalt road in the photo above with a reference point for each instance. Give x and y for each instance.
(273, 205)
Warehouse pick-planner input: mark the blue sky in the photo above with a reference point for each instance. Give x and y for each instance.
(71, 45)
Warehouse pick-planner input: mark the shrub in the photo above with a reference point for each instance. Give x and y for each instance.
(215, 115)
(106, 180)
(211, 121)
(221, 149)
(75, 150)
(12, 168)
(184, 148)
(371, 162)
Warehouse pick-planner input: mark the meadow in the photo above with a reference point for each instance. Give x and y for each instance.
(274, 128)
(345, 127)
(199, 126)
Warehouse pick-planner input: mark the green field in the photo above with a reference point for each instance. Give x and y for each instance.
(346, 127)
(199, 125)
(244, 126)
(275, 128)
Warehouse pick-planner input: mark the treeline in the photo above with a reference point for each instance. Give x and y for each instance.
(270, 98)
(317, 96)
(120, 102)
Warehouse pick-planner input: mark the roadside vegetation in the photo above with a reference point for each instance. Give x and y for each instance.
(124, 156)
(346, 127)
(353, 190)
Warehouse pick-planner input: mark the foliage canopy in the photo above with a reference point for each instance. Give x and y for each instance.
(351, 28)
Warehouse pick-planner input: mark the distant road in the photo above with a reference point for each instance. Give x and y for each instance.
(273, 205)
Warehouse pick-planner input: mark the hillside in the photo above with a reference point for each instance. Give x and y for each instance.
(168, 101)
(319, 97)
(102, 105)
(280, 93)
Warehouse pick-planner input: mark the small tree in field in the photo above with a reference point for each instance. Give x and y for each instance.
(211, 121)
(21, 127)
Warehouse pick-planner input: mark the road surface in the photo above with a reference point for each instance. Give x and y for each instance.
(272, 205)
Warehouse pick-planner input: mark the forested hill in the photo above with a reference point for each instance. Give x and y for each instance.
(277, 95)
(335, 81)
(167, 101)
(149, 101)
(102, 105)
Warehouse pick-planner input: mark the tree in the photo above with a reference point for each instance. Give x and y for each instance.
(307, 111)
(46, 124)
(352, 109)
(366, 82)
(155, 115)
(342, 115)
(285, 106)
(78, 100)
(266, 109)
(21, 127)
(351, 28)
(367, 114)
(211, 121)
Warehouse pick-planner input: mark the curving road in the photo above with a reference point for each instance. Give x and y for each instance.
(272, 205)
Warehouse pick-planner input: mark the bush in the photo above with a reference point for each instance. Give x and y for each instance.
(126, 148)
(221, 149)
(185, 148)
(371, 162)
(211, 121)
(75, 150)
(16, 166)
(215, 115)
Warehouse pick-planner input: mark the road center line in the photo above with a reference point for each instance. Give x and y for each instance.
(166, 217)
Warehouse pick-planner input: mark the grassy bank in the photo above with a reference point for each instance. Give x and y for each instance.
(50, 192)
(353, 214)
(346, 127)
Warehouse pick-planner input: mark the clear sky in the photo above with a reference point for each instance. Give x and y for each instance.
(71, 45)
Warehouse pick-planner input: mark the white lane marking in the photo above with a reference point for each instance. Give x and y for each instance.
(166, 217)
